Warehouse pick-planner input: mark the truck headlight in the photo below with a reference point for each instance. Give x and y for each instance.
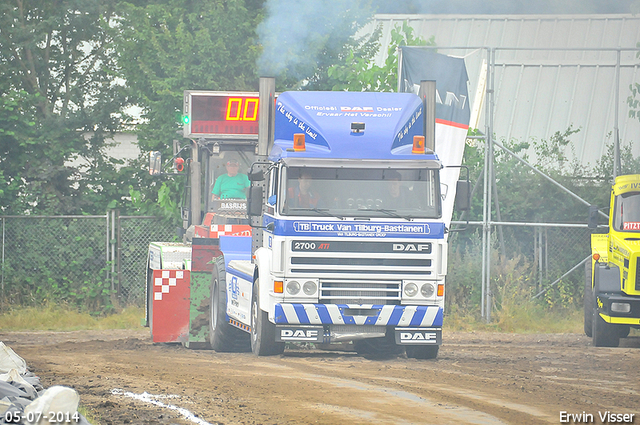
(309, 287)
(621, 307)
(293, 287)
(427, 290)
(410, 289)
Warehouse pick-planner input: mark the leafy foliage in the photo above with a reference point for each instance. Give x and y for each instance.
(300, 40)
(526, 196)
(165, 47)
(357, 73)
(60, 102)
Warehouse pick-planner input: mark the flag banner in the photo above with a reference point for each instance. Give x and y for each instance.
(452, 110)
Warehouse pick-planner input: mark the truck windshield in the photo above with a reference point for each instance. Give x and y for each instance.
(360, 192)
(627, 212)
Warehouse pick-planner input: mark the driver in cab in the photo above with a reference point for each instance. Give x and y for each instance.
(232, 185)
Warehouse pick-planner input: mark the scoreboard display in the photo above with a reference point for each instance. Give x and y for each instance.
(230, 115)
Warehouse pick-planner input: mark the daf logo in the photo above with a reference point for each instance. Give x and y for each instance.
(418, 336)
(356, 109)
(411, 247)
(298, 333)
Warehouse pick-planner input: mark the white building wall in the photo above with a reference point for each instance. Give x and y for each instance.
(541, 92)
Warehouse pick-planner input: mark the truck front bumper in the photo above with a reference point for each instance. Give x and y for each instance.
(418, 316)
(611, 308)
(329, 323)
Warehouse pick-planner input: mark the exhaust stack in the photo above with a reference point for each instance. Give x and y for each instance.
(428, 95)
(266, 116)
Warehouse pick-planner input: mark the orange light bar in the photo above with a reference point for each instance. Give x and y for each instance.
(596, 256)
(440, 290)
(298, 142)
(278, 287)
(418, 145)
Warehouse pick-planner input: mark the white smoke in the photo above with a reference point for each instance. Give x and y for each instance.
(295, 33)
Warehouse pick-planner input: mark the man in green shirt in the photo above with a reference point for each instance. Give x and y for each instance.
(232, 185)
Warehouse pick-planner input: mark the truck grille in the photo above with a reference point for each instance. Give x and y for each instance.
(350, 265)
(360, 272)
(340, 291)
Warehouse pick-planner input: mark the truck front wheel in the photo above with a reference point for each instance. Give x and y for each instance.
(263, 332)
(604, 334)
(222, 336)
(624, 330)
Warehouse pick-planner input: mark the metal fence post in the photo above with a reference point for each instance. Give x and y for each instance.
(112, 249)
(3, 294)
(119, 254)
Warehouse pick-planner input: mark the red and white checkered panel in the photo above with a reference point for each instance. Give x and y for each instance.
(170, 305)
(218, 230)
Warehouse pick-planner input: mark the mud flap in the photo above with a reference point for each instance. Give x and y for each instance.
(418, 336)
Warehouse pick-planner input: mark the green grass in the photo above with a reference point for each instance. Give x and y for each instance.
(522, 318)
(89, 414)
(61, 318)
(525, 318)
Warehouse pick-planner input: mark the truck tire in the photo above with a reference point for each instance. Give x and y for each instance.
(624, 330)
(422, 352)
(589, 303)
(263, 332)
(604, 334)
(222, 336)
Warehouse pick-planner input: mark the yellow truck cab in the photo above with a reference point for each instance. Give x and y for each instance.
(612, 284)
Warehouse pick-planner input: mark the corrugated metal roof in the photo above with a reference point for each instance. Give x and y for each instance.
(551, 71)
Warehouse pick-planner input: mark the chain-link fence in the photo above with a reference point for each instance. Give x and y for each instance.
(533, 258)
(79, 259)
(62, 257)
(134, 235)
(82, 260)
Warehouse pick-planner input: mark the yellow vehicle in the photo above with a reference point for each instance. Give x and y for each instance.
(612, 284)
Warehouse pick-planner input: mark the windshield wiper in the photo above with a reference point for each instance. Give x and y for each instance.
(324, 211)
(390, 213)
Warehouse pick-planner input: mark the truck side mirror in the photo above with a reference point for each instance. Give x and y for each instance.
(463, 195)
(592, 220)
(155, 163)
(256, 176)
(254, 202)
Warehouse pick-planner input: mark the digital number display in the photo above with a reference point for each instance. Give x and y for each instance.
(223, 114)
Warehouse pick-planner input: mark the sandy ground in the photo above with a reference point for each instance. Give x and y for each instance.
(478, 378)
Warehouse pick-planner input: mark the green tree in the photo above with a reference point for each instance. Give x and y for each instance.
(357, 72)
(300, 40)
(167, 46)
(60, 102)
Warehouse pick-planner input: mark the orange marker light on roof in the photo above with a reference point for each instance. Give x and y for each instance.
(418, 145)
(298, 142)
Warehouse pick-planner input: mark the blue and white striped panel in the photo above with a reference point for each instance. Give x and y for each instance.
(334, 314)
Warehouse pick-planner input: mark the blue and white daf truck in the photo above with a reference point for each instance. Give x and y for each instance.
(348, 243)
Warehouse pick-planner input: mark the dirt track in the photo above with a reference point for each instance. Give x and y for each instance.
(478, 378)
